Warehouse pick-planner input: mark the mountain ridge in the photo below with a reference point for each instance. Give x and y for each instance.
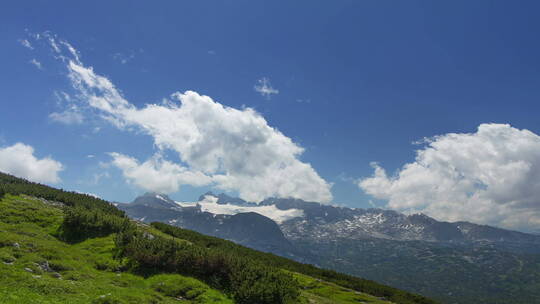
(359, 222)
(389, 247)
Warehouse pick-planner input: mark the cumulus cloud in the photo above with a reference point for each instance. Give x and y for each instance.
(20, 161)
(491, 177)
(157, 174)
(264, 87)
(231, 149)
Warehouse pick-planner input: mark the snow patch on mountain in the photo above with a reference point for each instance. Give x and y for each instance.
(209, 204)
(161, 198)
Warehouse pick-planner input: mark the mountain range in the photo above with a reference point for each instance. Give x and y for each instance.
(458, 262)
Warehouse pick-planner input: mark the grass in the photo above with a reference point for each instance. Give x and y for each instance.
(317, 291)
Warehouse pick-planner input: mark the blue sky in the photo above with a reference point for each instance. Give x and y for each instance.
(358, 82)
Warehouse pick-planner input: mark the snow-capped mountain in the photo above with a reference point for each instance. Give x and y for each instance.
(237, 223)
(298, 219)
(325, 222)
(382, 245)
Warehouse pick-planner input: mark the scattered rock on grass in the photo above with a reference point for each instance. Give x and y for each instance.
(45, 266)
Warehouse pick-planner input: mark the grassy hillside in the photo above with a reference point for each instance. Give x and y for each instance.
(73, 248)
(37, 267)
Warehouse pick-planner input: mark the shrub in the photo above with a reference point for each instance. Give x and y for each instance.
(81, 223)
(246, 280)
(177, 286)
(103, 263)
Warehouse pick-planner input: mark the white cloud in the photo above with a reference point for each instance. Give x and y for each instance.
(209, 204)
(490, 177)
(26, 43)
(61, 97)
(70, 112)
(20, 161)
(89, 194)
(97, 177)
(157, 174)
(36, 63)
(264, 87)
(67, 117)
(232, 149)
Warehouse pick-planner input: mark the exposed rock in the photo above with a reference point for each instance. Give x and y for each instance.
(148, 235)
(56, 275)
(45, 266)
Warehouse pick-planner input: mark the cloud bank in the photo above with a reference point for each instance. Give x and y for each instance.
(19, 160)
(228, 148)
(491, 177)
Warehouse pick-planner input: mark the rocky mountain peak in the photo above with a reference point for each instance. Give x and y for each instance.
(155, 200)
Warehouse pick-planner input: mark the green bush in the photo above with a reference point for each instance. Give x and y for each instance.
(246, 280)
(177, 286)
(81, 223)
(103, 263)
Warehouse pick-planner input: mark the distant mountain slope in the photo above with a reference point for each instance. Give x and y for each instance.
(454, 262)
(324, 221)
(250, 229)
(457, 262)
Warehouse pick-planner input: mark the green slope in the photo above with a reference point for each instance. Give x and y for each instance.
(84, 272)
(64, 247)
